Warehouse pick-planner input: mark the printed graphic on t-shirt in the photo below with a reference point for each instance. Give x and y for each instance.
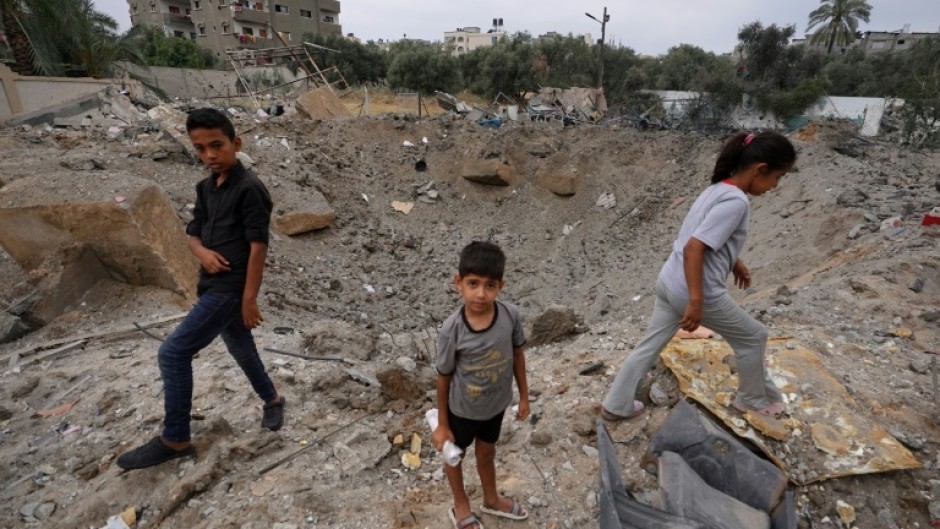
(483, 376)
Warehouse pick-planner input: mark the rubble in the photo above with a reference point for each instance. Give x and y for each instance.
(555, 323)
(316, 215)
(843, 295)
(490, 172)
(321, 103)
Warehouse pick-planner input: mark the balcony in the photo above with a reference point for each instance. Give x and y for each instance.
(331, 6)
(174, 18)
(244, 14)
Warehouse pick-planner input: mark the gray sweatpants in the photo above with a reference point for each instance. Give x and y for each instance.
(747, 337)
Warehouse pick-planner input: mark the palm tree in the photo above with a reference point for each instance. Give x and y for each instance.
(837, 21)
(55, 37)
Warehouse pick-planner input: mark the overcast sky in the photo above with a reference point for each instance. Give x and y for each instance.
(649, 27)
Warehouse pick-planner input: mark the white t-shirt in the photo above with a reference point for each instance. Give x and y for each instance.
(718, 218)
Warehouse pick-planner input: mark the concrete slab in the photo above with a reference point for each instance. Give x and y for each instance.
(830, 435)
(63, 279)
(723, 462)
(321, 103)
(688, 495)
(139, 240)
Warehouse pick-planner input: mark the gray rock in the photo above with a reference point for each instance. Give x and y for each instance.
(407, 364)
(658, 395)
(856, 231)
(44, 510)
(540, 438)
(851, 197)
(590, 451)
(920, 365)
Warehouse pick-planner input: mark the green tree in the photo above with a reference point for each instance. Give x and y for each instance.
(684, 67)
(837, 21)
(764, 49)
(423, 67)
(920, 66)
(159, 50)
(59, 37)
(359, 63)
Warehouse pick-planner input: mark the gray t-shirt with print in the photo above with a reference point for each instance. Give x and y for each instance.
(481, 362)
(718, 218)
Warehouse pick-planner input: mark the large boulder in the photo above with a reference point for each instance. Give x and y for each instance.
(315, 215)
(63, 279)
(563, 181)
(491, 171)
(128, 225)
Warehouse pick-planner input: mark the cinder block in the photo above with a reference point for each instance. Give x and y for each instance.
(722, 461)
(618, 509)
(688, 495)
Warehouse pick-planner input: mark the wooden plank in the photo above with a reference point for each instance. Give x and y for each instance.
(48, 355)
(27, 351)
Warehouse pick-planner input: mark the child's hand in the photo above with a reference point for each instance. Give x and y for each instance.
(213, 262)
(441, 434)
(692, 317)
(742, 276)
(523, 412)
(251, 314)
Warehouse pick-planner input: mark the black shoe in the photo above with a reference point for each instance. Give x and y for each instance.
(274, 415)
(151, 454)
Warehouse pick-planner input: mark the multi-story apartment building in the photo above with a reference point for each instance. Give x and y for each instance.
(221, 25)
(465, 40)
(874, 41)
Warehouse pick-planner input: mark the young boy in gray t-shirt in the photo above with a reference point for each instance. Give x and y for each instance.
(479, 352)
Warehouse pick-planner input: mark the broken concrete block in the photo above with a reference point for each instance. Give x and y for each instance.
(316, 215)
(63, 279)
(173, 122)
(361, 449)
(139, 241)
(769, 426)
(722, 461)
(490, 172)
(563, 181)
(338, 338)
(321, 103)
(555, 323)
(12, 328)
(784, 515)
(688, 495)
(617, 509)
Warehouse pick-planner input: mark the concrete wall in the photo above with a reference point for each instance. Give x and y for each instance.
(187, 83)
(864, 111)
(24, 94)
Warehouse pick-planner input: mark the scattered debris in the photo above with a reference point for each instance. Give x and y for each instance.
(403, 207)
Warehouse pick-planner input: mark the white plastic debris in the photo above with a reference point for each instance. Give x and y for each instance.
(285, 143)
(451, 452)
(407, 143)
(606, 201)
(424, 139)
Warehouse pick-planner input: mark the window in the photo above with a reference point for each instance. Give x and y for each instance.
(901, 42)
(459, 48)
(196, 4)
(306, 13)
(178, 34)
(174, 10)
(329, 19)
(202, 31)
(263, 33)
(459, 39)
(153, 8)
(278, 8)
(248, 31)
(192, 35)
(286, 35)
(134, 7)
(495, 39)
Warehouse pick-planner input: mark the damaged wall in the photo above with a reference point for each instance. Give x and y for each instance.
(21, 94)
(188, 83)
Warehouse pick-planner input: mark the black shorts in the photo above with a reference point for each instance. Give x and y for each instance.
(466, 430)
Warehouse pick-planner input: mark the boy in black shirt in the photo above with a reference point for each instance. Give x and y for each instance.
(229, 236)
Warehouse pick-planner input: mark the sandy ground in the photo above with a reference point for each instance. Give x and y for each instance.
(374, 287)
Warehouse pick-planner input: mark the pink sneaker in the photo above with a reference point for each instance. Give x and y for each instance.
(638, 408)
(775, 409)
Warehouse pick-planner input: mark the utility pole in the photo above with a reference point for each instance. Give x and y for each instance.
(603, 22)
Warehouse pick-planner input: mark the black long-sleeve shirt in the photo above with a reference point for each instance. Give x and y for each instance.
(228, 218)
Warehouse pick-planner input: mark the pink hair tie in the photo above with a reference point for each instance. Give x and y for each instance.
(748, 139)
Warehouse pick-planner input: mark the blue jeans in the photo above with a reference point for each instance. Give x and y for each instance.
(213, 315)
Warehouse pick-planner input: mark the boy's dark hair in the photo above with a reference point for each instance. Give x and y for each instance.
(746, 148)
(210, 118)
(483, 259)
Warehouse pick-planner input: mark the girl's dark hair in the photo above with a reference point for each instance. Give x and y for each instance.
(483, 259)
(210, 118)
(746, 148)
